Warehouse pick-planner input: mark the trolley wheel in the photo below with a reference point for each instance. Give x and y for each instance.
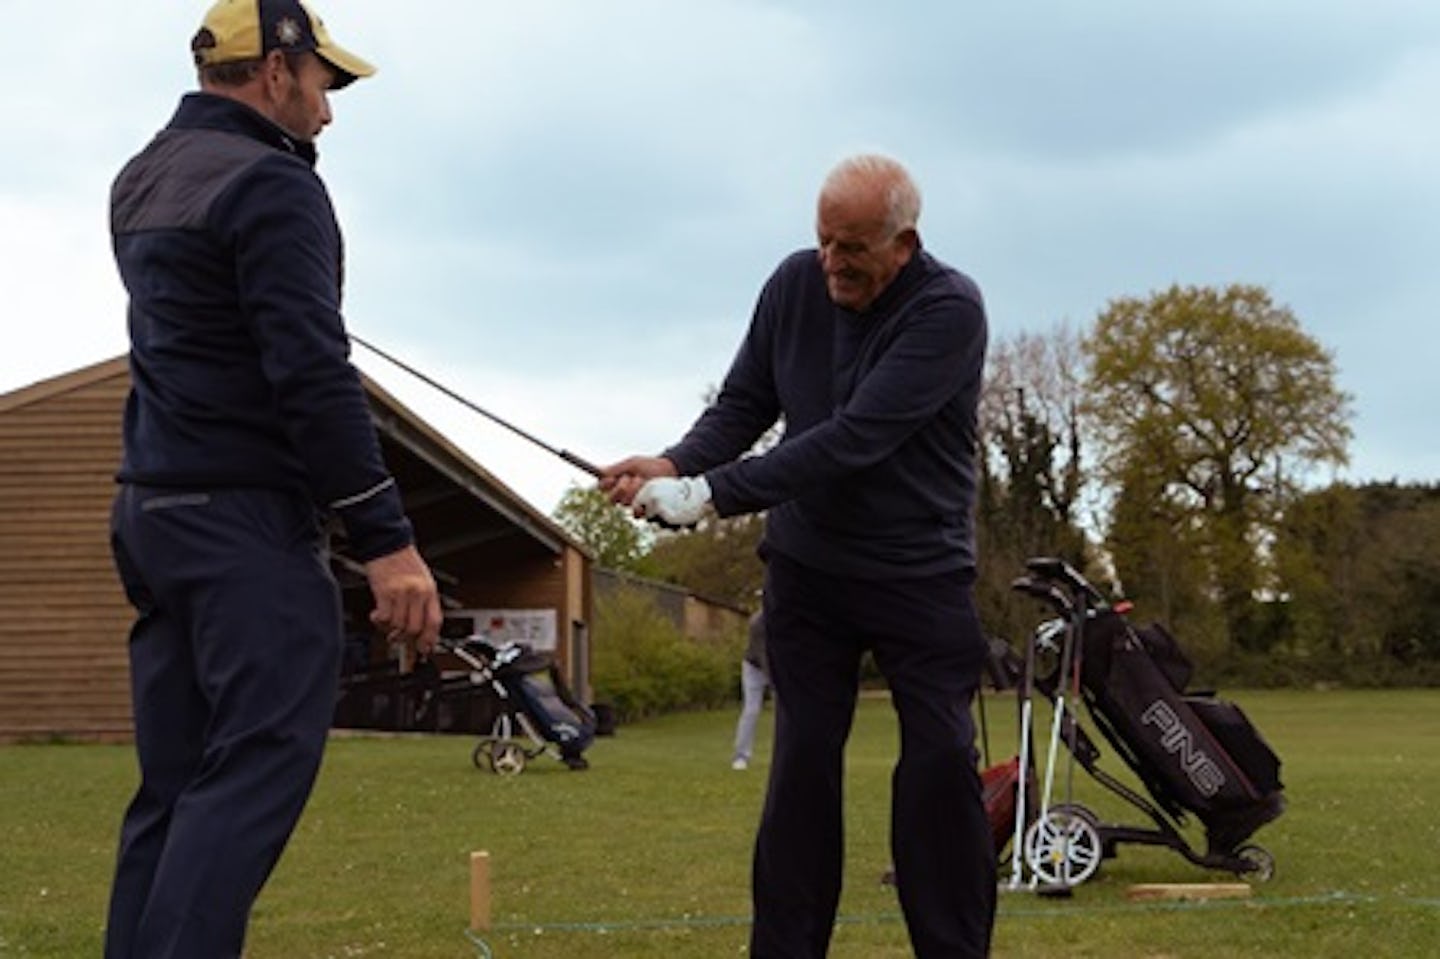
(1064, 848)
(480, 755)
(507, 758)
(1257, 863)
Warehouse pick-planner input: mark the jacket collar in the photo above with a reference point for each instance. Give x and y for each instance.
(209, 111)
(900, 286)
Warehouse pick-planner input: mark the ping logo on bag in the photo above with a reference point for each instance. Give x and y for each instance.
(1180, 742)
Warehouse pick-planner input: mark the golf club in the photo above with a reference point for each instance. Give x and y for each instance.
(566, 455)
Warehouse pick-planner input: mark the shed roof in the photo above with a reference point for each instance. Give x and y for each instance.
(414, 452)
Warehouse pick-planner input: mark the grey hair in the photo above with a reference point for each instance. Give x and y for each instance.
(902, 197)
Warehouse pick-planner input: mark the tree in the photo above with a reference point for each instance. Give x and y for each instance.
(1156, 552)
(716, 559)
(1360, 569)
(606, 529)
(1031, 475)
(1227, 402)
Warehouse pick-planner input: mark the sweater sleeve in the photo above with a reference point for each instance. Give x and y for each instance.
(936, 353)
(288, 256)
(746, 405)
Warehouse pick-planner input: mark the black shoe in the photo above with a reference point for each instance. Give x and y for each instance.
(576, 763)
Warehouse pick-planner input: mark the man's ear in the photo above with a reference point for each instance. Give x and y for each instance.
(909, 239)
(273, 70)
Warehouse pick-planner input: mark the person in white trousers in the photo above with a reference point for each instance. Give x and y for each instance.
(754, 680)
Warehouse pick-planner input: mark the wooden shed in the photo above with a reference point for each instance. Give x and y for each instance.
(697, 617)
(64, 620)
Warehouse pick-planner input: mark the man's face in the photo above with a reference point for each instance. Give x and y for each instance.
(859, 255)
(302, 104)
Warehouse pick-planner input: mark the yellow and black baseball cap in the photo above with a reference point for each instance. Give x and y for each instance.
(236, 30)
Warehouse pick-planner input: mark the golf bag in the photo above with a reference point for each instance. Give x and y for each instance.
(1194, 751)
(1195, 754)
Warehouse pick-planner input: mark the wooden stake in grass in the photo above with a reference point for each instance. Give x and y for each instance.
(480, 891)
(1146, 892)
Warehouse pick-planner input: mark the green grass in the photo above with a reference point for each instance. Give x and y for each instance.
(647, 854)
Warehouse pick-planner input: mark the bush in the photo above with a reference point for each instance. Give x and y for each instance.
(1284, 668)
(645, 666)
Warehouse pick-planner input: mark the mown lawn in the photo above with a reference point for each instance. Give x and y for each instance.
(647, 854)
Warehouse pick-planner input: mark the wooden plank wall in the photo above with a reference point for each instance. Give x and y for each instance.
(708, 621)
(63, 616)
(64, 620)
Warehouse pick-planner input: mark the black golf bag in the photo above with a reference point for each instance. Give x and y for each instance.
(1192, 750)
(1195, 754)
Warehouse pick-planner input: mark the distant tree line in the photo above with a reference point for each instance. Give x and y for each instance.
(1176, 451)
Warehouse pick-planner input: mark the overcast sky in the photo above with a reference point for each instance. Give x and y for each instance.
(564, 210)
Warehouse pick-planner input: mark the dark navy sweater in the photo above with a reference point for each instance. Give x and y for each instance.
(228, 246)
(875, 476)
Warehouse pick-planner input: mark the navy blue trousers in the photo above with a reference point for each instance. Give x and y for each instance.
(234, 656)
(927, 642)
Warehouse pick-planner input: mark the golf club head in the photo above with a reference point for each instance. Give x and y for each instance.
(1046, 591)
(1055, 568)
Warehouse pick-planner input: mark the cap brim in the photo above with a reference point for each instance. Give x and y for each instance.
(348, 67)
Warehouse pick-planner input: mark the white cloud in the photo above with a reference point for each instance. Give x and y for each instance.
(63, 303)
(564, 209)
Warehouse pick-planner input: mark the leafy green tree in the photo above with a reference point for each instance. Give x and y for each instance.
(1359, 567)
(1223, 396)
(615, 539)
(716, 559)
(1156, 550)
(1319, 552)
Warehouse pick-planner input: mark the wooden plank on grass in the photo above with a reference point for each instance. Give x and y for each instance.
(480, 891)
(1151, 891)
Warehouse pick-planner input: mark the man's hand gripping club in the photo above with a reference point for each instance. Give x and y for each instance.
(675, 501)
(649, 486)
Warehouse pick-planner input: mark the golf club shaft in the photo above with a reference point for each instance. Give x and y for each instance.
(1017, 842)
(566, 455)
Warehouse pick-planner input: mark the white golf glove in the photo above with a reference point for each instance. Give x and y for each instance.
(676, 501)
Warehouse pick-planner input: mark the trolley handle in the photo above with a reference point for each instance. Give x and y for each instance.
(487, 656)
(1039, 589)
(1055, 568)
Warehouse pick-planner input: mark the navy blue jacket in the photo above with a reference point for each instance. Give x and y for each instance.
(228, 246)
(875, 476)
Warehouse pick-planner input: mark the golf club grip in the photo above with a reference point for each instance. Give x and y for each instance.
(580, 463)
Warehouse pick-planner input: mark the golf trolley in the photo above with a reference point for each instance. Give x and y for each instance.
(535, 712)
(1194, 753)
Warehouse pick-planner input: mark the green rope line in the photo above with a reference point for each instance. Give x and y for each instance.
(480, 947)
(711, 922)
(626, 925)
(1324, 899)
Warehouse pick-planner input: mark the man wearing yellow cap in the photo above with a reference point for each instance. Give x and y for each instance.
(246, 431)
